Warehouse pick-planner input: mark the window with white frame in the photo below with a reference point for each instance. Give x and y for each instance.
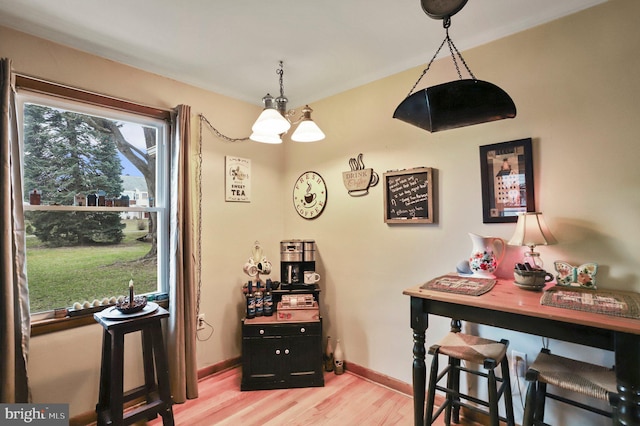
(89, 231)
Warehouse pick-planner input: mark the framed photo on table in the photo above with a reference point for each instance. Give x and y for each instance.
(507, 180)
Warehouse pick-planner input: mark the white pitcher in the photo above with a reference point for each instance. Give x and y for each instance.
(486, 255)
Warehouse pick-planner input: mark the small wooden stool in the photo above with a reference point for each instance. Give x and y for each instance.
(488, 353)
(576, 376)
(110, 407)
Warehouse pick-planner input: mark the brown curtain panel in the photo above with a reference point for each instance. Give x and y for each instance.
(184, 263)
(15, 323)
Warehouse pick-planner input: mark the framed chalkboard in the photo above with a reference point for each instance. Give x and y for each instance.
(408, 196)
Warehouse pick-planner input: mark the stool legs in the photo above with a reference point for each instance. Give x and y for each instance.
(110, 407)
(162, 366)
(453, 409)
(508, 395)
(452, 403)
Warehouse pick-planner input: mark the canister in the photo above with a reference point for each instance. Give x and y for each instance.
(309, 250)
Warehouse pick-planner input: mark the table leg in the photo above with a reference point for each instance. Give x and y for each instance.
(419, 324)
(627, 347)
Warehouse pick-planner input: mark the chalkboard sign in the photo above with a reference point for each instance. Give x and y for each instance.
(408, 196)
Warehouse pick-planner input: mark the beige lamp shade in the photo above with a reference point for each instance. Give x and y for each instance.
(531, 230)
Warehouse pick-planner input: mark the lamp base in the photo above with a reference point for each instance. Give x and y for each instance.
(533, 259)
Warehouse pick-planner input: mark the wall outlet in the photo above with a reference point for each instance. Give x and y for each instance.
(200, 322)
(518, 363)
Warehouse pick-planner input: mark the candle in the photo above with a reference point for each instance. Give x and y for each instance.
(130, 293)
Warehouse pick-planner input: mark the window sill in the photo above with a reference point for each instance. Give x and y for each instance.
(52, 325)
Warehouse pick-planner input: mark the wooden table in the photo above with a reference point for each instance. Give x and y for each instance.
(509, 307)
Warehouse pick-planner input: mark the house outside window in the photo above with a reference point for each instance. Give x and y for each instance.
(89, 228)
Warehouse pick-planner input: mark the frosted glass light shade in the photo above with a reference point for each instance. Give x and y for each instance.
(272, 138)
(272, 122)
(307, 131)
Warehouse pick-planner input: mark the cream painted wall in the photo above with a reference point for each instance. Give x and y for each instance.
(573, 81)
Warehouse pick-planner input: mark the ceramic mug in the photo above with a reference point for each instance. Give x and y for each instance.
(311, 277)
(250, 269)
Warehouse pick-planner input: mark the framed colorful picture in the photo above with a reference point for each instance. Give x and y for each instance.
(507, 180)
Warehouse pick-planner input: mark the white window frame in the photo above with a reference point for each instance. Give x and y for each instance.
(162, 201)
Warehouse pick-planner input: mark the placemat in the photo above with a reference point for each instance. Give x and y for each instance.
(619, 304)
(460, 285)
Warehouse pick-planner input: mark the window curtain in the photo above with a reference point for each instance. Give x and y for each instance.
(15, 322)
(184, 265)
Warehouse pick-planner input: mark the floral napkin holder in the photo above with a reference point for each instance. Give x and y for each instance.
(576, 276)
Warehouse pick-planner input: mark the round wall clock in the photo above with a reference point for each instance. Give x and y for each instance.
(309, 195)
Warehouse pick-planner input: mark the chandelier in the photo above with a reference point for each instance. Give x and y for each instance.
(275, 120)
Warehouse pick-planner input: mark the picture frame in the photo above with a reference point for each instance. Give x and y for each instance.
(506, 171)
(408, 196)
(237, 179)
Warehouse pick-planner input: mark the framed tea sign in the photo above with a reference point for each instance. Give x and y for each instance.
(507, 180)
(238, 179)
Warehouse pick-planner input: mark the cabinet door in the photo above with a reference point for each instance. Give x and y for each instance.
(304, 360)
(261, 362)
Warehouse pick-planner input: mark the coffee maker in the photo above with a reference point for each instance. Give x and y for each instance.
(296, 257)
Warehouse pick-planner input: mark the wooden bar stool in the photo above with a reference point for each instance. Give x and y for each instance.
(111, 400)
(488, 353)
(576, 376)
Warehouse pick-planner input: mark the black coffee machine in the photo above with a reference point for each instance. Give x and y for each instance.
(296, 257)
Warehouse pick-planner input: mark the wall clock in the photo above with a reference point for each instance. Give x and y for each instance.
(309, 195)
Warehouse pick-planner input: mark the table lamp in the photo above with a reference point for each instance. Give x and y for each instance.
(531, 231)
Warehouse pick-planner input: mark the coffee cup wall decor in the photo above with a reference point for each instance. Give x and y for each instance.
(359, 179)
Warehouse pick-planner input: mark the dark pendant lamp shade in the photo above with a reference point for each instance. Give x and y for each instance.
(455, 104)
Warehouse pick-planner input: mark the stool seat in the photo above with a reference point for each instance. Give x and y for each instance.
(458, 346)
(472, 348)
(157, 394)
(588, 379)
(572, 375)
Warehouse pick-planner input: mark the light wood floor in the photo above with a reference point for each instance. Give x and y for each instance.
(345, 400)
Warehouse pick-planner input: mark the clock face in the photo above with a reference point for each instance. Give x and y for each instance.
(309, 195)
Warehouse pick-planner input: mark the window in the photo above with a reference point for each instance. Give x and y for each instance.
(96, 192)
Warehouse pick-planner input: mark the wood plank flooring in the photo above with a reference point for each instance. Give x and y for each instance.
(345, 400)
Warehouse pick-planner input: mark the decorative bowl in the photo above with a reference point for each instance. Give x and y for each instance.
(124, 306)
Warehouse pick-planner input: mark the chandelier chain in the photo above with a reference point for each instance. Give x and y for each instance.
(217, 132)
(452, 48)
(280, 72)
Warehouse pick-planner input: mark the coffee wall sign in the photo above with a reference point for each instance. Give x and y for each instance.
(309, 195)
(359, 179)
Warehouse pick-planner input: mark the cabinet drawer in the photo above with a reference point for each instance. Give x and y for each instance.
(289, 329)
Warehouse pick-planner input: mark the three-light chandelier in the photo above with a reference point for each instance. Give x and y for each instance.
(275, 120)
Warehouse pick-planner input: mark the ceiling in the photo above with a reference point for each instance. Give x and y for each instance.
(232, 47)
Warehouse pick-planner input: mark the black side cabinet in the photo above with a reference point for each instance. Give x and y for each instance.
(278, 355)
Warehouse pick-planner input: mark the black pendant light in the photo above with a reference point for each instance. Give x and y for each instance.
(457, 103)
